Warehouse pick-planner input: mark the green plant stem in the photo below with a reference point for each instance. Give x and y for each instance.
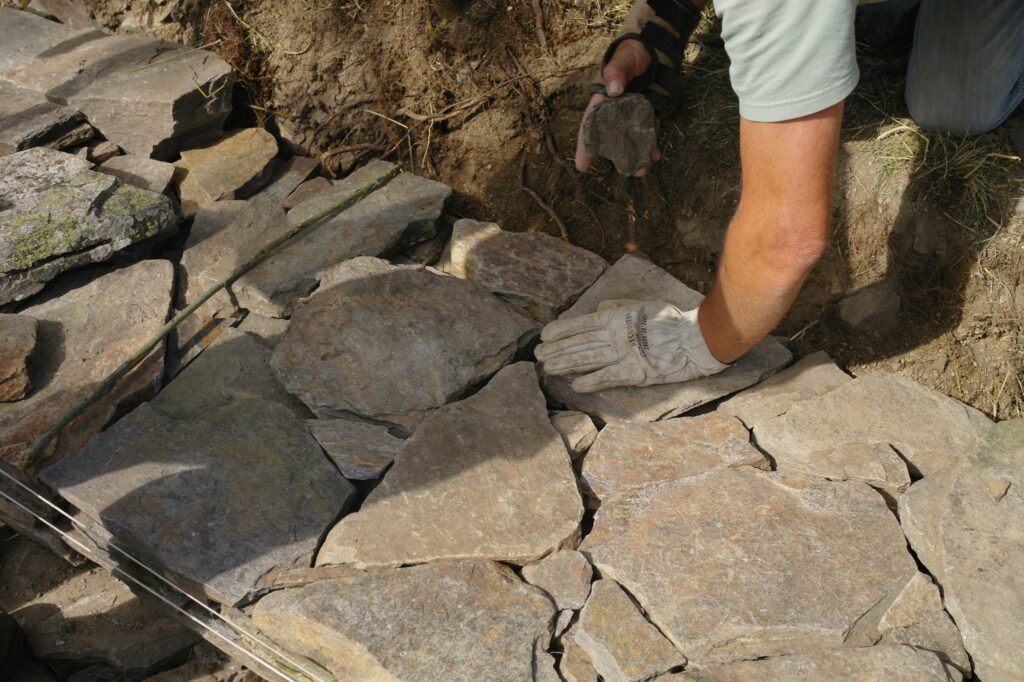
(104, 387)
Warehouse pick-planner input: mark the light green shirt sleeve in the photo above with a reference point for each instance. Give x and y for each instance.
(790, 58)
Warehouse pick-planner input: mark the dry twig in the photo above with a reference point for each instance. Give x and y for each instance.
(540, 202)
(538, 17)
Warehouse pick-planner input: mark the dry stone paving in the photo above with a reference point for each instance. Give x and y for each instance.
(358, 458)
(928, 429)
(223, 430)
(541, 274)
(628, 457)
(459, 487)
(966, 524)
(384, 341)
(453, 620)
(635, 278)
(403, 211)
(826, 560)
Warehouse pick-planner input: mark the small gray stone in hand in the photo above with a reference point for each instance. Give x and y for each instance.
(623, 130)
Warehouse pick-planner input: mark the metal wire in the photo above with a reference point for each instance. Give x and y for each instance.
(237, 629)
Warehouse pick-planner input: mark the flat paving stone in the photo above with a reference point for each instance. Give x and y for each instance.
(18, 335)
(929, 430)
(150, 97)
(56, 214)
(84, 615)
(450, 620)
(538, 273)
(27, 119)
(404, 211)
(361, 451)
(966, 525)
(628, 457)
(381, 341)
(288, 176)
(166, 479)
(876, 464)
(812, 376)
(85, 331)
(892, 663)
(634, 278)
(233, 167)
(621, 644)
(24, 35)
(738, 563)
(486, 477)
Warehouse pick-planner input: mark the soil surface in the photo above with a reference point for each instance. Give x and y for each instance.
(473, 94)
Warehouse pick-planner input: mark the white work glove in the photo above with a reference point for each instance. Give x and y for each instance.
(627, 343)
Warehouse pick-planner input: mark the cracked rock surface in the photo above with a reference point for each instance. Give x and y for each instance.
(453, 620)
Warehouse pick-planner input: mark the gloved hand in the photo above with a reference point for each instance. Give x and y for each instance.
(627, 343)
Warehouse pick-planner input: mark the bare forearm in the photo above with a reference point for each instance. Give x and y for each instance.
(779, 232)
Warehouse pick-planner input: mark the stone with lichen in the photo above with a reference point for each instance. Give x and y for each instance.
(57, 214)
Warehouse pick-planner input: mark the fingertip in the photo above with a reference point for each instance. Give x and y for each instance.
(656, 155)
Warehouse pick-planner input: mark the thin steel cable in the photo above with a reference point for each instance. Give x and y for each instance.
(174, 588)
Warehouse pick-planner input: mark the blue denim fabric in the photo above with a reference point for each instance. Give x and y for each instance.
(966, 73)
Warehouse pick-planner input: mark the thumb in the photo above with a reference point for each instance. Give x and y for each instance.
(630, 60)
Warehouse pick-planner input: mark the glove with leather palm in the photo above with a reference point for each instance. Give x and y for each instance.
(627, 343)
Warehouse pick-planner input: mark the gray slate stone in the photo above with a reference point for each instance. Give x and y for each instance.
(85, 331)
(577, 430)
(85, 615)
(628, 457)
(564, 575)
(624, 130)
(966, 524)
(634, 278)
(928, 429)
(163, 478)
(917, 619)
(486, 477)
(890, 663)
(56, 214)
(452, 620)
(150, 97)
(812, 376)
(141, 172)
(382, 341)
(27, 119)
(403, 211)
(738, 563)
(224, 235)
(539, 273)
(17, 346)
(24, 35)
(621, 644)
(361, 451)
